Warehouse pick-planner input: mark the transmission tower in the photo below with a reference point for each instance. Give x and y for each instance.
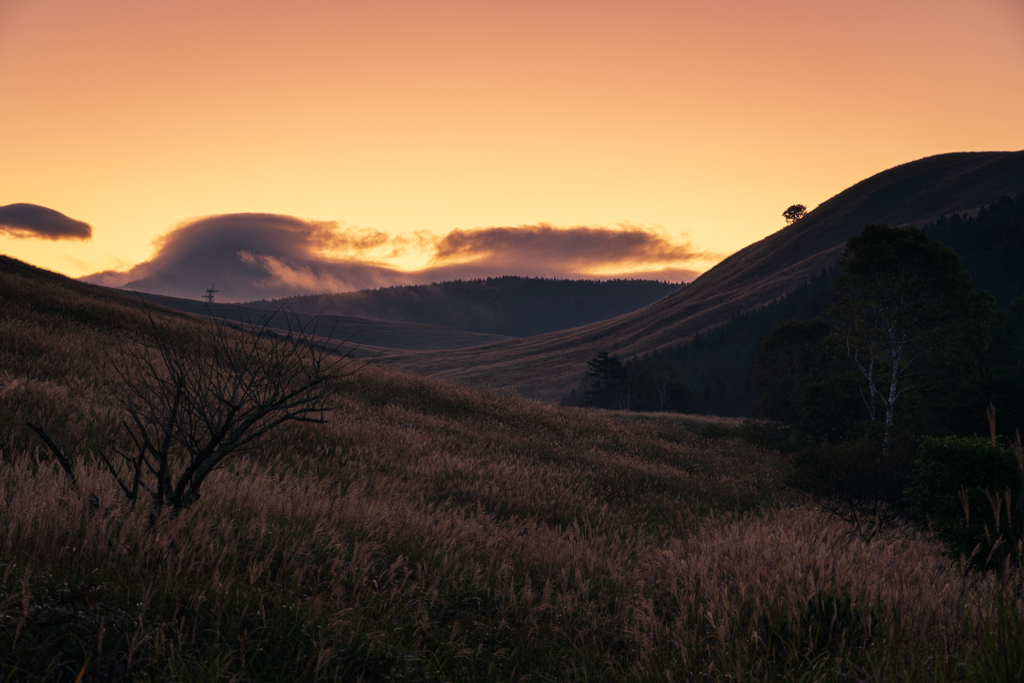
(209, 294)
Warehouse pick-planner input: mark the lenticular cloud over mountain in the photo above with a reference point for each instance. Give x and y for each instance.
(256, 255)
(253, 255)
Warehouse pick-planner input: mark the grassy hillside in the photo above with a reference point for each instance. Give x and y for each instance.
(718, 366)
(368, 337)
(433, 532)
(513, 306)
(914, 193)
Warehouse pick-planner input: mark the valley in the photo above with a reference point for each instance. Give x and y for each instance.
(419, 528)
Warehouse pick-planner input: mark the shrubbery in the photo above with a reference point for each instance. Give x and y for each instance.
(969, 491)
(853, 479)
(909, 355)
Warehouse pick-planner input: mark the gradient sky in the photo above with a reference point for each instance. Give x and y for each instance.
(700, 121)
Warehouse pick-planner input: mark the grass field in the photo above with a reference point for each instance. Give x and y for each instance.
(431, 532)
(368, 338)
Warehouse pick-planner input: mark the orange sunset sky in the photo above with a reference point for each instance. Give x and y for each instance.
(688, 125)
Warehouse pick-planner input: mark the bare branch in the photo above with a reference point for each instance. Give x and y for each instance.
(58, 452)
(195, 395)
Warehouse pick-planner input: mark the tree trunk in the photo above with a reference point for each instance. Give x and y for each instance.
(889, 403)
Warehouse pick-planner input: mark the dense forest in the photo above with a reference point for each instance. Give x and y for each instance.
(990, 246)
(718, 369)
(509, 305)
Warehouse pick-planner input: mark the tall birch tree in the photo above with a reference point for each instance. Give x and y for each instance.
(906, 316)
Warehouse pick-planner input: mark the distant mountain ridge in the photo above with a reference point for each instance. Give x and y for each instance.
(361, 337)
(912, 193)
(509, 305)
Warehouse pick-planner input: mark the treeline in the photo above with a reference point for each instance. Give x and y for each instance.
(718, 366)
(715, 369)
(642, 383)
(907, 398)
(907, 344)
(509, 305)
(990, 246)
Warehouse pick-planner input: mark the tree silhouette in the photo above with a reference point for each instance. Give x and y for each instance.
(194, 395)
(791, 357)
(608, 387)
(794, 213)
(906, 314)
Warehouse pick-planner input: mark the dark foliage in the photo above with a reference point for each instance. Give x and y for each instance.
(767, 434)
(642, 384)
(716, 369)
(656, 386)
(990, 246)
(906, 324)
(718, 366)
(830, 408)
(608, 383)
(969, 491)
(854, 479)
(510, 305)
(794, 213)
(791, 356)
(907, 319)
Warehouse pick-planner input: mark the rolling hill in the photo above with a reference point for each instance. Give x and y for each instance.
(719, 366)
(372, 337)
(546, 365)
(369, 338)
(508, 305)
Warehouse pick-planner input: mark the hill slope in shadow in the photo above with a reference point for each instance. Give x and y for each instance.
(364, 338)
(545, 366)
(508, 305)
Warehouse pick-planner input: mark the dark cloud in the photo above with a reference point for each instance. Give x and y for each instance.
(254, 256)
(545, 250)
(30, 220)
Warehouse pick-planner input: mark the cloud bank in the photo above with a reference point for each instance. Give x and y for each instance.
(546, 250)
(254, 256)
(30, 220)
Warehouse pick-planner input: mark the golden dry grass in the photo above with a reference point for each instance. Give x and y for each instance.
(433, 532)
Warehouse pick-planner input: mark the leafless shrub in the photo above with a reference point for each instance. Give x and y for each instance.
(192, 395)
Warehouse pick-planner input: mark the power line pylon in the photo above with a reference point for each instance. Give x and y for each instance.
(209, 294)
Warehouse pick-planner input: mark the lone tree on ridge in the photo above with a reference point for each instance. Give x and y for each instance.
(794, 213)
